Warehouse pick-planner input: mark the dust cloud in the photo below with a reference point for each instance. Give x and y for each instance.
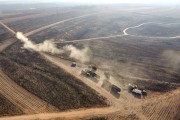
(125, 68)
(172, 58)
(82, 55)
(46, 46)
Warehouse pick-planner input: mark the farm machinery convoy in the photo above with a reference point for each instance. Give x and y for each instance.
(137, 91)
(91, 73)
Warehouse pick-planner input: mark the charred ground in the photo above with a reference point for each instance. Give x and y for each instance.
(48, 82)
(143, 61)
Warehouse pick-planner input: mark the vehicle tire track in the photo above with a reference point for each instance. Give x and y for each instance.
(6, 44)
(164, 107)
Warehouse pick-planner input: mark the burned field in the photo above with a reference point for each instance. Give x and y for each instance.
(48, 82)
(95, 25)
(135, 58)
(4, 34)
(157, 30)
(7, 108)
(55, 62)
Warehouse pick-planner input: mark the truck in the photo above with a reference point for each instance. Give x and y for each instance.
(139, 91)
(89, 73)
(73, 64)
(116, 88)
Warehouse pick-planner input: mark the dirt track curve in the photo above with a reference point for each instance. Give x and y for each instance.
(116, 104)
(137, 26)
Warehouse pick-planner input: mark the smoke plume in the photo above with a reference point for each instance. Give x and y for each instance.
(46, 46)
(172, 58)
(81, 55)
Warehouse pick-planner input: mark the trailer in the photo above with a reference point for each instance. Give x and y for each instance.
(132, 87)
(107, 75)
(73, 64)
(138, 91)
(92, 68)
(116, 88)
(89, 73)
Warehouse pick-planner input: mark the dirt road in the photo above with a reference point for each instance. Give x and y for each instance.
(88, 39)
(56, 23)
(137, 26)
(117, 105)
(27, 102)
(142, 108)
(125, 33)
(6, 43)
(57, 61)
(126, 29)
(9, 29)
(73, 115)
(126, 100)
(148, 110)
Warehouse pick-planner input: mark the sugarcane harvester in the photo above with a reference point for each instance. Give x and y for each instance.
(90, 72)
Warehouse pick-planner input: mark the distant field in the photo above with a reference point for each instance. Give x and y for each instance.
(127, 56)
(157, 30)
(116, 46)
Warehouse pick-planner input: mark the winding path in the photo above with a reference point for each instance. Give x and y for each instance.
(116, 104)
(125, 30)
(126, 33)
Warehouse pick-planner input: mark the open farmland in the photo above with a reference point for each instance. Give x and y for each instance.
(126, 46)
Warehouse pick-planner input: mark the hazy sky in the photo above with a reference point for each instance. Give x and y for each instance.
(125, 1)
(98, 1)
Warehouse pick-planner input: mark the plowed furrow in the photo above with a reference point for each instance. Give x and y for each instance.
(22, 98)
